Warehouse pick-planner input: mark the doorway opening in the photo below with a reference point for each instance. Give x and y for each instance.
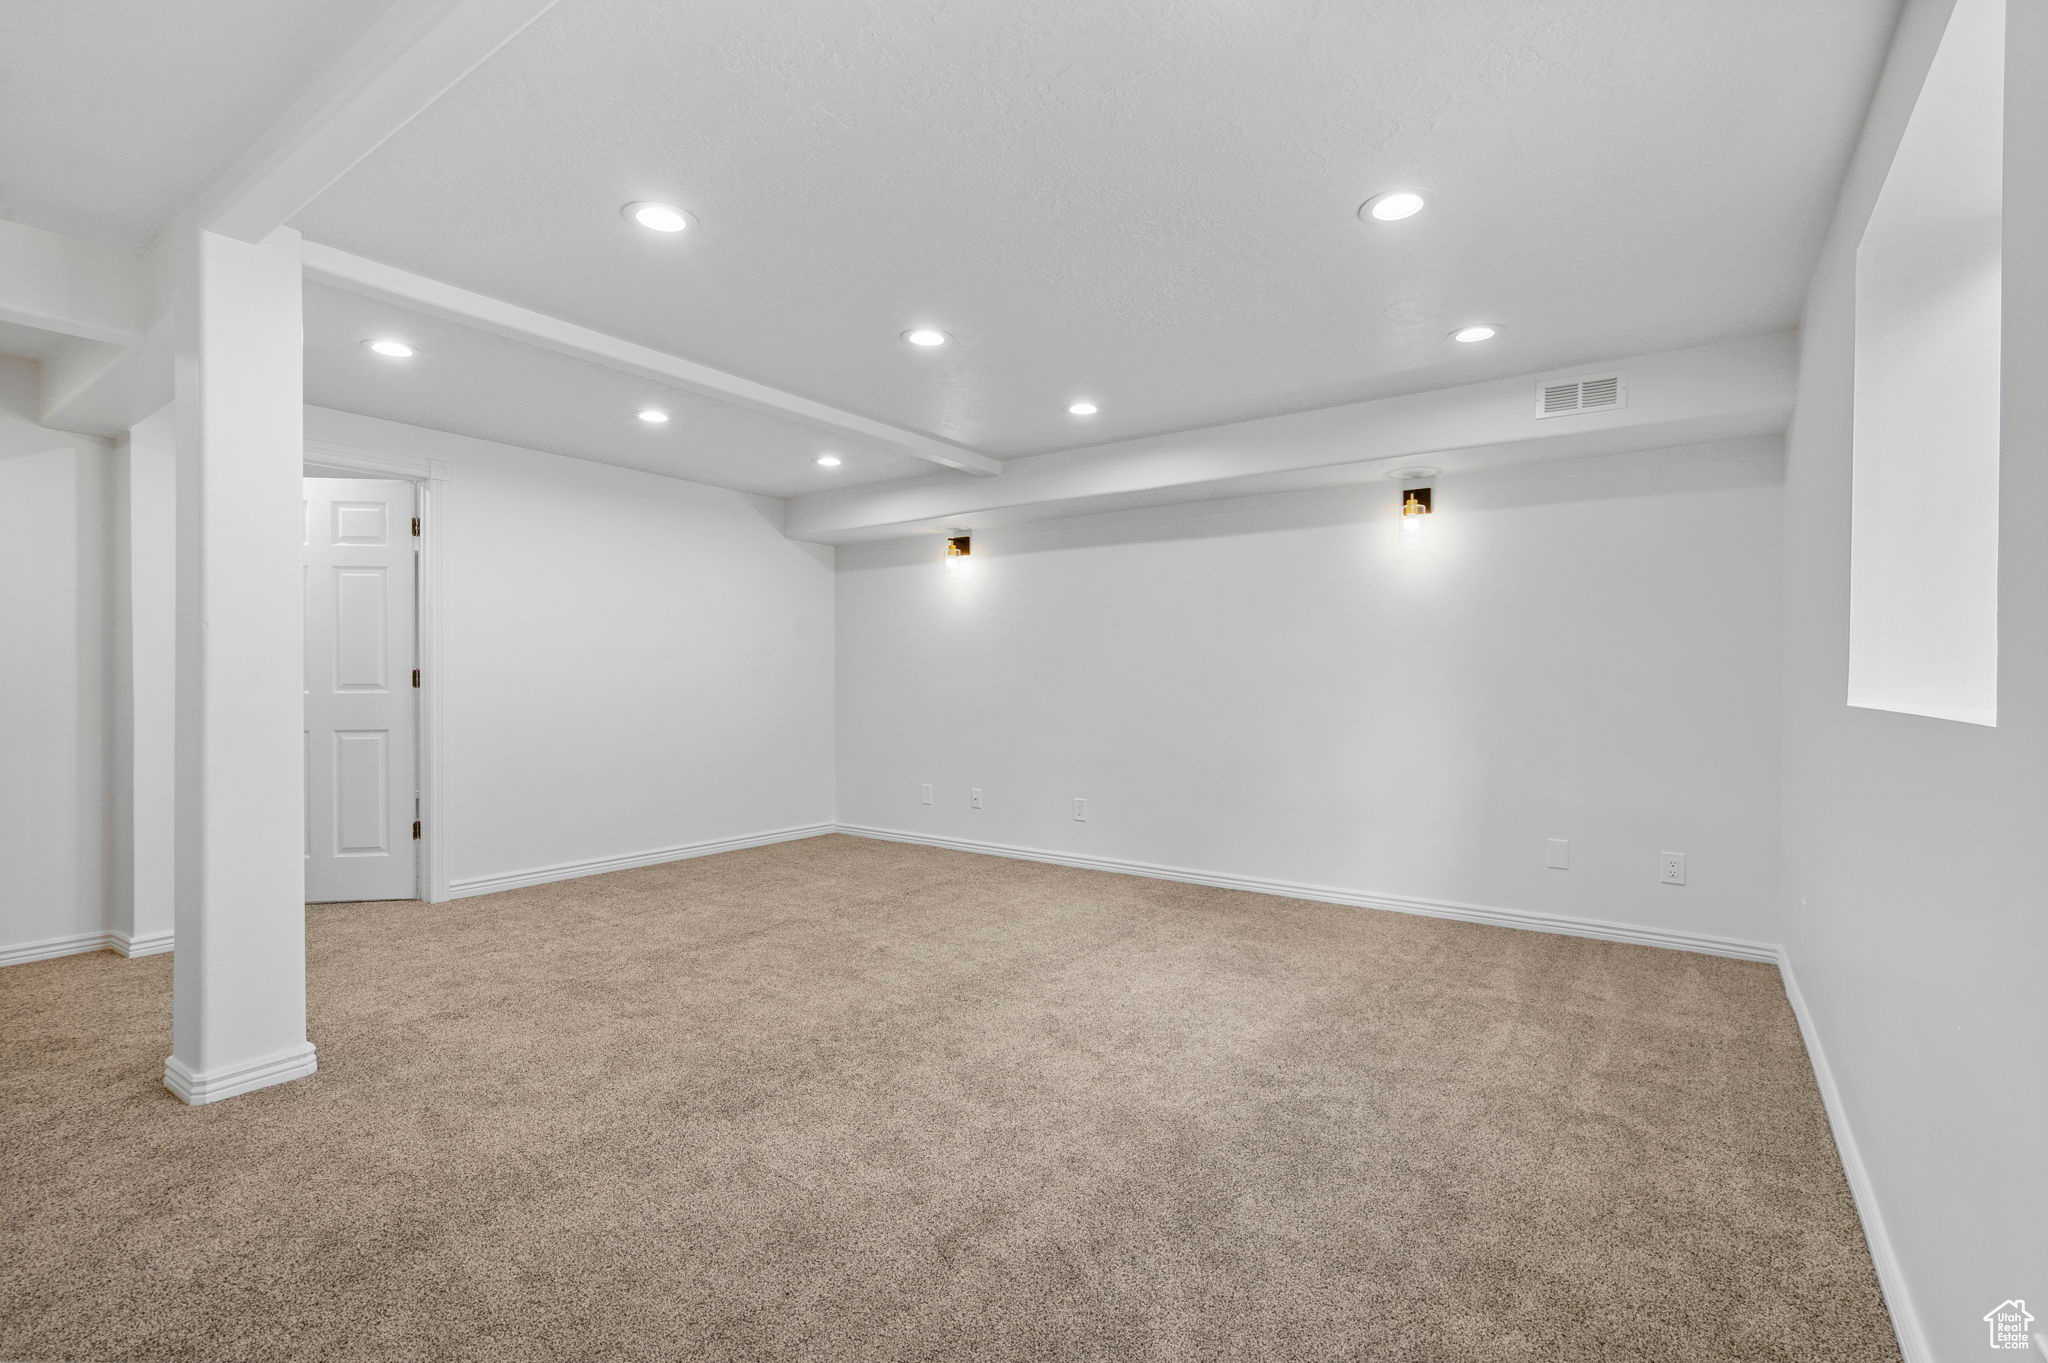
(371, 760)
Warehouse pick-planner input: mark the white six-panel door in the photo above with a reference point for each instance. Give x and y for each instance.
(361, 716)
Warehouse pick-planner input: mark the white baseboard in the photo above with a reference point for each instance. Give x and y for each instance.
(148, 944)
(570, 870)
(51, 947)
(142, 944)
(1890, 1276)
(1287, 889)
(197, 1089)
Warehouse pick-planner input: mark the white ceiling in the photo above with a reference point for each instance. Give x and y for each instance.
(114, 114)
(1146, 202)
(474, 383)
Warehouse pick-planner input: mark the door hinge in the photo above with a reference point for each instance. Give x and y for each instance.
(415, 525)
(415, 830)
(415, 677)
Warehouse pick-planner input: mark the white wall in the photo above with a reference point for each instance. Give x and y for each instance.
(1279, 688)
(53, 611)
(633, 664)
(1919, 919)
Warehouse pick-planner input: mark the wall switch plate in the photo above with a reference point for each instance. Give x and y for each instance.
(1559, 854)
(925, 795)
(1673, 867)
(974, 798)
(1080, 810)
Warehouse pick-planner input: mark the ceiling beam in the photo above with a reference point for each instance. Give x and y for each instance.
(1708, 393)
(96, 389)
(408, 57)
(74, 288)
(326, 265)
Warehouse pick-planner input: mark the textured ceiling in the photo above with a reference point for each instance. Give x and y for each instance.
(477, 384)
(1146, 202)
(114, 114)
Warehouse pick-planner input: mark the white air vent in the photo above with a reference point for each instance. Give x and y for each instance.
(1588, 393)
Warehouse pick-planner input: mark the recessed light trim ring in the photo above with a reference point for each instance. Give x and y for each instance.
(1394, 205)
(657, 217)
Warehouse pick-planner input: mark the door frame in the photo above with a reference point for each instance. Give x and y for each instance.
(324, 458)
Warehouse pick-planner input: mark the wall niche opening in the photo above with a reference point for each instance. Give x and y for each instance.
(1923, 555)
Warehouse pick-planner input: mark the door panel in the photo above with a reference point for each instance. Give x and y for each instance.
(361, 630)
(362, 784)
(361, 708)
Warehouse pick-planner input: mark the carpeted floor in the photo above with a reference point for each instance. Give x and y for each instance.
(851, 1100)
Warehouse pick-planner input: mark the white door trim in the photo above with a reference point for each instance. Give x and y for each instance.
(325, 457)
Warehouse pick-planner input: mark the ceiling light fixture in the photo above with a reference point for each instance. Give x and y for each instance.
(926, 336)
(653, 416)
(1394, 205)
(828, 461)
(1479, 331)
(1082, 409)
(389, 349)
(658, 217)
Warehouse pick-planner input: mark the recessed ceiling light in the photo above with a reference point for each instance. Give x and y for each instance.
(1412, 472)
(926, 336)
(658, 217)
(390, 349)
(830, 461)
(1082, 409)
(653, 416)
(1479, 331)
(1393, 205)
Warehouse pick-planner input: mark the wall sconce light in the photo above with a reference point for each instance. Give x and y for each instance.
(1414, 507)
(958, 547)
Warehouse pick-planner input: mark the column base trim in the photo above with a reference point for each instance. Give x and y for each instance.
(198, 1089)
(141, 944)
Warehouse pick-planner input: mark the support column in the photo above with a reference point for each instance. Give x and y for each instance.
(145, 895)
(239, 1011)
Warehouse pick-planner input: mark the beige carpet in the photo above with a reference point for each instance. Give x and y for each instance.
(850, 1100)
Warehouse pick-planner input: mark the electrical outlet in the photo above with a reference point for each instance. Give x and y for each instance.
(925, 795)
(974, 798)
(1673, 864)
(1080, 810)
(1560, 854)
